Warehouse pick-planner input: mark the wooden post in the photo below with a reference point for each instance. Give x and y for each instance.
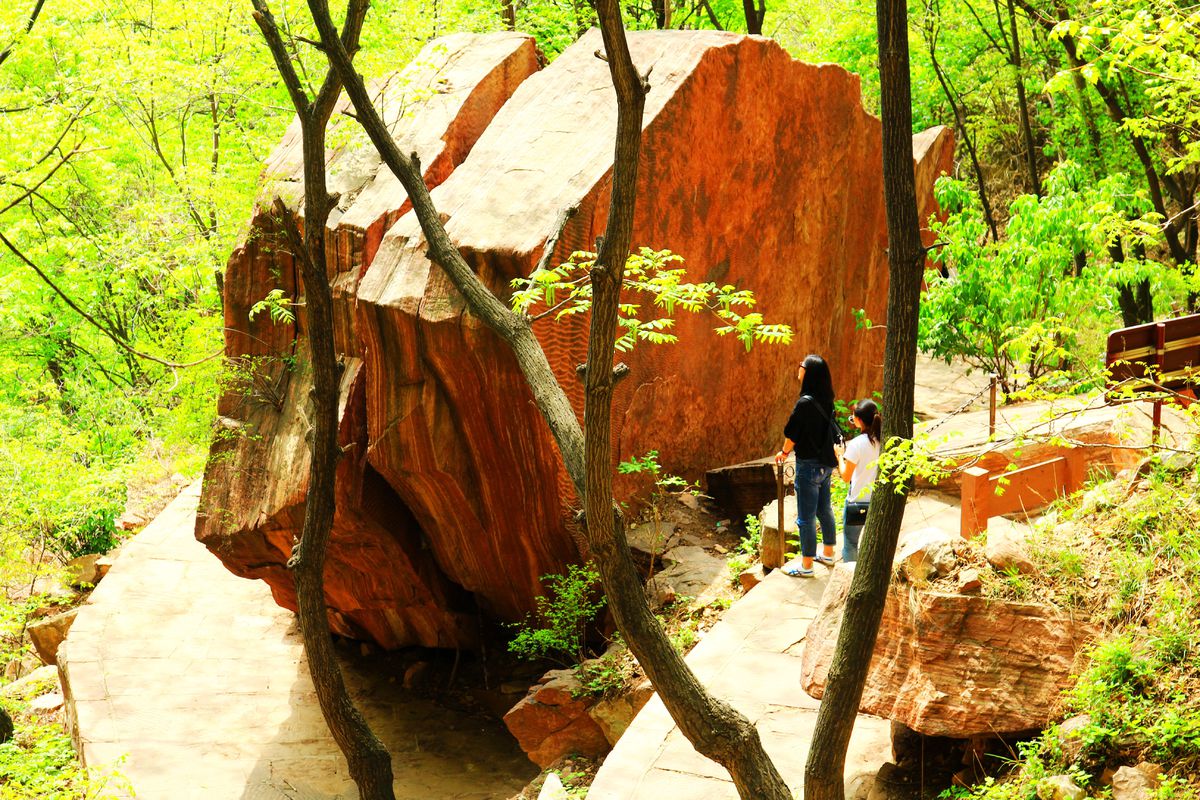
(773, 546)
(1076, 469)
(976, 494)
(779, 493)
(992, 407)
(1160, 351)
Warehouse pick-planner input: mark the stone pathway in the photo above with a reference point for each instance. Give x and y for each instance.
(751, 659)
(191, 683)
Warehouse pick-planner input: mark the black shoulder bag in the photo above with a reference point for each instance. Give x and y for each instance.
(835, 430)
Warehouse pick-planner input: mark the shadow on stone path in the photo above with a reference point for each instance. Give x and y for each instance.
(751, 659)
(192, 683)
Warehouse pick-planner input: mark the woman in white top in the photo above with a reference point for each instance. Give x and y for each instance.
(858, 466)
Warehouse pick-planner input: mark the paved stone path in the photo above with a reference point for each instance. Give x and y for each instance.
(751, 659)
(193, 683)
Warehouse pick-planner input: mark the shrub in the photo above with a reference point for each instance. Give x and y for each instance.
(558, 629)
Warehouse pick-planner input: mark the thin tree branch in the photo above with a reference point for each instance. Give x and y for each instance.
(34, 189)
(33, 16)
(283, 62)
(552, 241)
(96, 323)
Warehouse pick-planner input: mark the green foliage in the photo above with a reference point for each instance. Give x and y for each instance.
(1004, 306)
(39, 763)
(1137, 685)
(648, 464)
(1159, 43)
(608, 674)
(566, 290)
(682, 622)
(558, 629)
(747, 550)
(277, 306)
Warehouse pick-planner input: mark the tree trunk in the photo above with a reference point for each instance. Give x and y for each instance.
(713, 727)
(369, 762)
(960, 123)
(1022, 104)
(1134, 299)
(754, 16)
(30, 21)
(906, 261)
(508, 14)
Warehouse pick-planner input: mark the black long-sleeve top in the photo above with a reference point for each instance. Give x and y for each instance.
(811, 430)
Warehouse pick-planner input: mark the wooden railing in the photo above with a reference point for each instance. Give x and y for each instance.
(986, 494)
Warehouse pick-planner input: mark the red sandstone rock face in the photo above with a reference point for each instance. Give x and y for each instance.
(954, 665)
(381, 581)
(759, 170)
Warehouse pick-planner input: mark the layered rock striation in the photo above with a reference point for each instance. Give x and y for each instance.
(759, 170)
(381, 580)
(954, 665)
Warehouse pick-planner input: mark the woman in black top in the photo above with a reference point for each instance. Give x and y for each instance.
(810, 433)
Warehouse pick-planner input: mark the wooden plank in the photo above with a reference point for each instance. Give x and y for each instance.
(1029, 488)
(1132, 353)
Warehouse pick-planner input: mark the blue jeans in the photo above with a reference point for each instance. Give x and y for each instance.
(812, 504)
(850, 534)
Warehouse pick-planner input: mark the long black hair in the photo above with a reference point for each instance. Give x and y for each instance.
(817, 383)
(868, 412)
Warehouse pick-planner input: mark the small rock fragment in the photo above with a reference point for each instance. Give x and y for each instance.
(1069, 737)
(552, 788)
(1059, 787)
(969, 582)
(1179, 462)
(751, 577)
(34, 682)
(660, 594)
(46, 704)
(614, 714)
(103, 565)
(1135, 783)
(923, 553)
(82, 571)
(1006, 549)
(47, 634)
(690, 500)
(414, 676)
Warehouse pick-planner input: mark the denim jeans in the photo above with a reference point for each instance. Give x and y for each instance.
(850, 534)
(812, 504)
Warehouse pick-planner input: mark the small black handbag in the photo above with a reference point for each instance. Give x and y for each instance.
(856, 513)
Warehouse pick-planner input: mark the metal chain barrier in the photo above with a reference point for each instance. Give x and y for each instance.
(990, 387)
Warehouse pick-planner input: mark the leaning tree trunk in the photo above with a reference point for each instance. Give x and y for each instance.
(823, 778)
(713, 727)
(369, 761)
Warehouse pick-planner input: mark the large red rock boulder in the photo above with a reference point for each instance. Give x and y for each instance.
(553, 720)
(952, 664)
(381, 580)
(759, 170)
